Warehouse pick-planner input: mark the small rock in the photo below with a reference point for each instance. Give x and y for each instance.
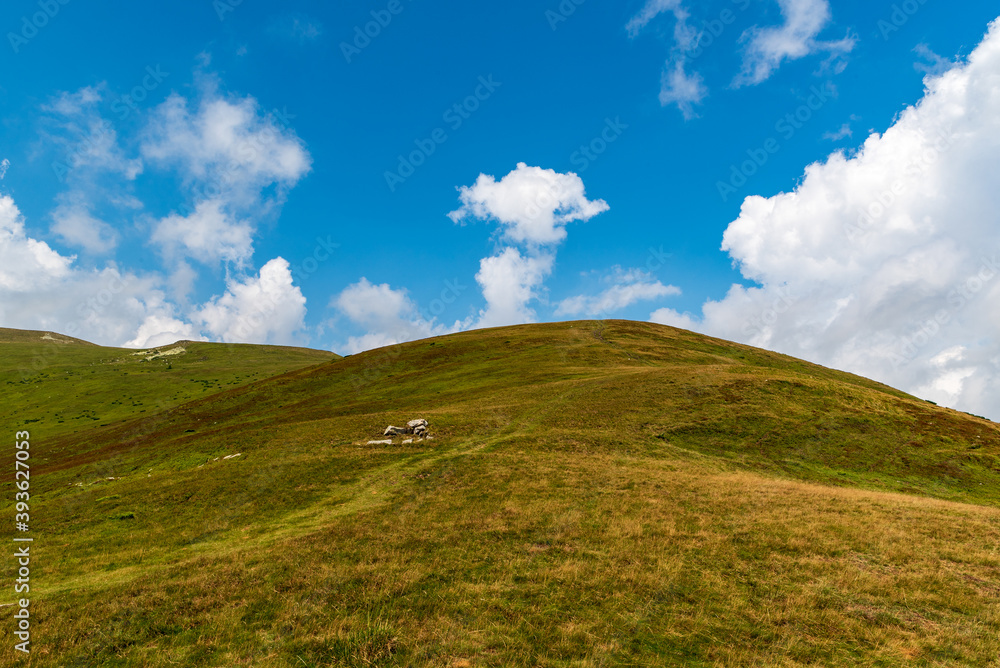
(413, 424)
(396, 431)
(387, 441)
(409, 440)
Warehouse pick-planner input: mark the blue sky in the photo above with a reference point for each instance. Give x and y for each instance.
(245, 171)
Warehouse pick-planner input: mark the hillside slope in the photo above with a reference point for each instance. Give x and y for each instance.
(61, 384)
(595, 494)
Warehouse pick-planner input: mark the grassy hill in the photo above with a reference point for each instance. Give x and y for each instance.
(61, 384)
(595, 494)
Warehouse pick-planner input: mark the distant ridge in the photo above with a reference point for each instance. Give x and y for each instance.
(8, 335)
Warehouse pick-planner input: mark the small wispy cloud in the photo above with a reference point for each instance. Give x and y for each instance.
(626, 288)
(652, 9)
(768, 48)
(844, 132)
(299, 28)
(933, 63)
(683, 89)
(4, 166)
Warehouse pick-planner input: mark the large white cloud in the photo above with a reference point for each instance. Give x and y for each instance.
(267, 308)
(210, 233)
(532, 205)
(886, 262)
(162, 329)
(510, 281)
(42, 289)
(230, 144)
(25, 262)
(388, 315)
(237, 163)
(73, 221)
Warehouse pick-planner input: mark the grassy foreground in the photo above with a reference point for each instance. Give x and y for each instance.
(596, 494)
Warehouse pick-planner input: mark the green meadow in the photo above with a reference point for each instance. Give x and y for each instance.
(595, 494)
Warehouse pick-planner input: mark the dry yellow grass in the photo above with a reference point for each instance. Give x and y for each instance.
(576, 508)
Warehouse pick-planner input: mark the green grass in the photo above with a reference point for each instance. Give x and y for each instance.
(60, 384)
(596, 494)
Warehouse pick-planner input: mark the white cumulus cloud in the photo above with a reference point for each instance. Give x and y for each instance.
(510, 281)
(532, 205)
(886, 262)
(42, 289)
(388, 315)
(237, 163)
(73, 221)
(229, 144)
(209, 234)
(267, 308)
(161, 329)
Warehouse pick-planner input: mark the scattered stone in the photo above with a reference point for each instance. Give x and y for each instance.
(233, 456)
(407, 441)
(387, 441)
(416, 427)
